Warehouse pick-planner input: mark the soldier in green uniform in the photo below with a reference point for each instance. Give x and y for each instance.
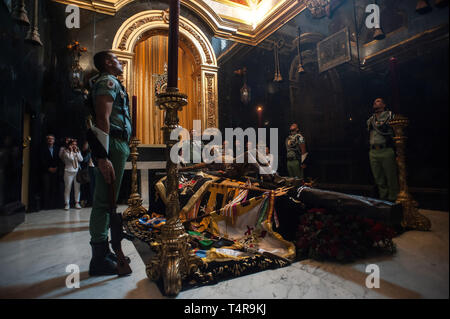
(110, 149)
(381, 154)
(296, 152)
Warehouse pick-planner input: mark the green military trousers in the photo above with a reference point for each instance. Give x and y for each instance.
(295, 169)
(99, 221)
(384, 170)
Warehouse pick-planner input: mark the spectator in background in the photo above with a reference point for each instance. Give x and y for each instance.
(49, 161)
(87, 190)
(71, 156)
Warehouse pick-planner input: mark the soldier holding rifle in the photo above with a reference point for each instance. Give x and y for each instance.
(109, 142)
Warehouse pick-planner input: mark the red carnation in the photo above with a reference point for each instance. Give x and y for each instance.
(334, 250)
(378, 227)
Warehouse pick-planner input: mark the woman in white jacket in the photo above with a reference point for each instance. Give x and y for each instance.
(71, 156)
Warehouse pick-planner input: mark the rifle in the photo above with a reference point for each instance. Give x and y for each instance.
(117, 234)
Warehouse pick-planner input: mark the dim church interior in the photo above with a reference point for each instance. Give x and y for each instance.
(218, 38)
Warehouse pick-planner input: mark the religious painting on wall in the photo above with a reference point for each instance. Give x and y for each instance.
(334, 50)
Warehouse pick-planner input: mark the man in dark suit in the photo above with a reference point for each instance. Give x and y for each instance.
(49, 165)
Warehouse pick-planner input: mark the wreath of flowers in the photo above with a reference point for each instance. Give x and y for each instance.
(323, 235)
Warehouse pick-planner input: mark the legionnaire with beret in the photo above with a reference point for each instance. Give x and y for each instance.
(110, 149)
(381, 154)
(296, 152)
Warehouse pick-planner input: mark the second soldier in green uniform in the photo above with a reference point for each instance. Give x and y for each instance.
(296, 152)
(381, 154)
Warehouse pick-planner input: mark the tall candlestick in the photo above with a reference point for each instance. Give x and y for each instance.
(134, 115)
(175, 259)
(172, 68)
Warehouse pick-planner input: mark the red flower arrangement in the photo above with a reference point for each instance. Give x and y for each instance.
(323, 235)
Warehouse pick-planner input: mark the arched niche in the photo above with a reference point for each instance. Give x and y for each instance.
(153, 22)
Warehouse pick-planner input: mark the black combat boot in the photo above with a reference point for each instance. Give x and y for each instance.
(113, 256)
(101, 264)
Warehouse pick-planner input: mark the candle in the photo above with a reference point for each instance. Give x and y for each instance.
(134, 114)
(172, 67)
(394, 85)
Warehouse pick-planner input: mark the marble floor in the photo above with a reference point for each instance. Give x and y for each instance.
(35, 256)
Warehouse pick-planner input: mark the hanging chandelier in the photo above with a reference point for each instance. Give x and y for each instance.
(245, 91)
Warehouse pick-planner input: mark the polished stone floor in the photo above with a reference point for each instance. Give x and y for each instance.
(35, 256)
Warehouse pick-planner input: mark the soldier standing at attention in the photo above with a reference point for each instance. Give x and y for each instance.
(110, 150)
(296, 152)
(381, 154)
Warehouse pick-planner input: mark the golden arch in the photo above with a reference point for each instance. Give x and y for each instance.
(146, 22)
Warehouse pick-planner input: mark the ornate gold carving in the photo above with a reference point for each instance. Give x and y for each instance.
(151, 33)
(210, 101)
(135, 29)
(199, 39)
(174, 259)
(221, 25)
(160, 81)
(135, 207)
(165, 15)
(134, 26)
(193, 49)
(227, 27)
(139, 23)
(412, 219)
(124, 66)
